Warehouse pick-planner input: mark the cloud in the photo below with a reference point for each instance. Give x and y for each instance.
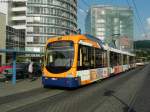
(147, 35)
(148, 20)
(148, 23)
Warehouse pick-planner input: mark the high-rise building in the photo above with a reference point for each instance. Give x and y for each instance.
(17, 14)
(42, 19)
(112, 24)
(47, 18)
(2, 37)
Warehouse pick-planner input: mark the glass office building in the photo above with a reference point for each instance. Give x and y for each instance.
(112, 24)
(48, 18)
(15, 39)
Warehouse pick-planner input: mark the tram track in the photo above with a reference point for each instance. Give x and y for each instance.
(10, 102)
(14, 97)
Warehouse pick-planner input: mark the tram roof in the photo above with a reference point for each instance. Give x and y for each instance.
(77, 38)
(117, 50)
(92, 38)
(107, 47)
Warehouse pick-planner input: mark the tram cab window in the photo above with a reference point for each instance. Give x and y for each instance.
(59, 56)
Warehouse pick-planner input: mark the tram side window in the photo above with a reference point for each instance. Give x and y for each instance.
(115, 59)
(124, 59)
(104, 59)
(89, 58)
(131, 60)
(118, 58)
(98, 58)
(85, 57)
(112, 59)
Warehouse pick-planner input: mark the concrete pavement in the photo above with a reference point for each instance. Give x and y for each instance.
(6, 88)
(25, 92)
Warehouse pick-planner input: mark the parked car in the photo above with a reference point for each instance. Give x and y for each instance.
(3, 67)
(2, 78)
(21, 71)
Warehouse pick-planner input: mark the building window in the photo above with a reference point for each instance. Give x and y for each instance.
(36, 39)
(36, 29)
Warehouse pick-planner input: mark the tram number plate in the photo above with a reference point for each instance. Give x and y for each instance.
(54, 78)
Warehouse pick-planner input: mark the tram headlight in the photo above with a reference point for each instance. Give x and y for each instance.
(43, 75)
(69, 75)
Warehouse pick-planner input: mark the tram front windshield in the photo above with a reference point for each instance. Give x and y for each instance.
(59, 56)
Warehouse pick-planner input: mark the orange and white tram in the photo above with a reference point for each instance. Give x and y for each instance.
(76, 60)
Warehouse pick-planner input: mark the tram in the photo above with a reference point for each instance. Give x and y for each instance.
(75, 60)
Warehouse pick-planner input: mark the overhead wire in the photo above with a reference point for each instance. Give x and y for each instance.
(85, 3)
(139, 17)
(136, 21)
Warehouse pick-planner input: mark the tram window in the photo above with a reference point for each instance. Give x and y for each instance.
(118, 59)
(112, 59)
(50, 58)
(98, 58)
(89, 58)
(104, 59)
(85, 57)
(131, 59)
(124, 59)
(115, 59)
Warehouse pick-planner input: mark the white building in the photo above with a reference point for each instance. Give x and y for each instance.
(17, 14)
(42, 19)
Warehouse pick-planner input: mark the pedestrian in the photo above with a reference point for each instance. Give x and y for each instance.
(30, 70)
(35, 71)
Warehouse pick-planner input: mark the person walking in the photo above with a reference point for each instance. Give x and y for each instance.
(30, 70)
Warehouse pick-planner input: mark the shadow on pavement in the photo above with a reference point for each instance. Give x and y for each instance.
(126, 108)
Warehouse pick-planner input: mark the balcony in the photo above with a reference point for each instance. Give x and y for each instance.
(19, 26)
(19, 0)
(17, 18)
(18, 9)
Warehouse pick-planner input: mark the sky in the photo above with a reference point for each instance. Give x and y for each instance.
(143, 7)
